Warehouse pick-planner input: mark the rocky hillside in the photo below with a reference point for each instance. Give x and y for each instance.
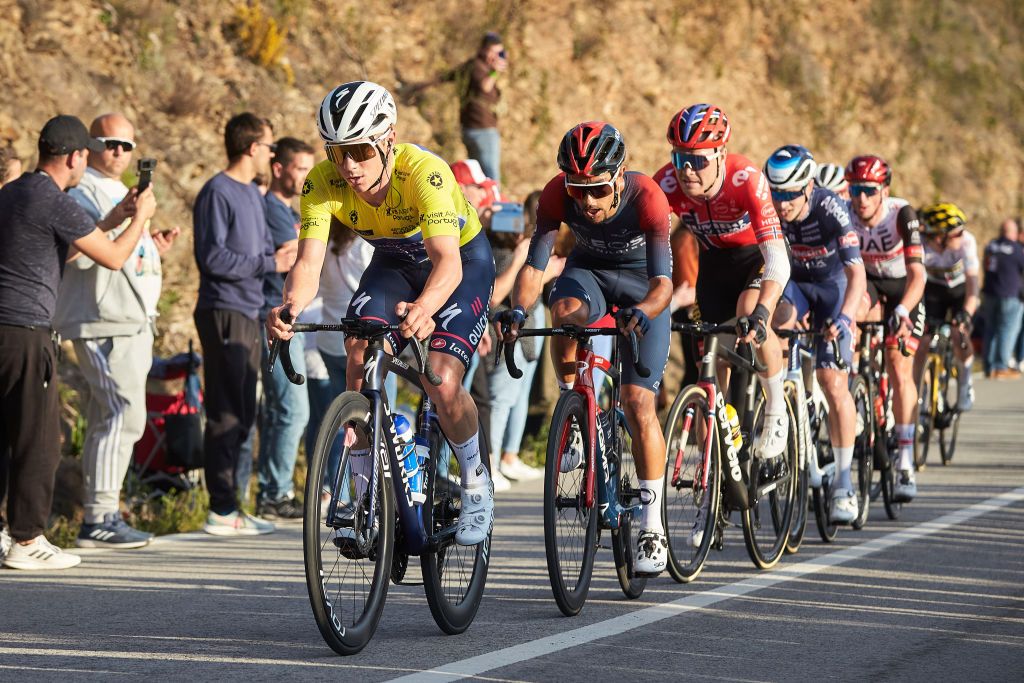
(935, 86)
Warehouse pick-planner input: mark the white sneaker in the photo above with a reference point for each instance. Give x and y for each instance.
(697, 532)
(518, 470)
(476, 518)
(906, 486)
(774, 435)
(844, 506)
(966, 398)
(651, 552)
(5, 544)
(572, 458)
(236, 524)
(39, 554)
(501, 482)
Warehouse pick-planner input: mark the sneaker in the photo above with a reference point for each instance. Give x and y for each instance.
(573, 457)
(501, 482)
(5, 544)
(774, 435)
(906, 487)
(40, 554)
(844, 506)
(651, 552)
(476, 518)
(112, 532)
(236, 523)
(518, 470)
(697, 532)
(286, 508)
(966, 399)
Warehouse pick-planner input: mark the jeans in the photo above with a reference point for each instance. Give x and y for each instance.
(1003, 316)
(484, 145)
(510, 401)
(282, 421)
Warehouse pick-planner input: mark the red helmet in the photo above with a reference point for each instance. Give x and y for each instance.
(868, 168)
(592, 148)
(699, 126)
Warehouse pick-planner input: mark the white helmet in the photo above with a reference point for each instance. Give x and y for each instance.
(830, 176)
(356, 112)
(790, 167)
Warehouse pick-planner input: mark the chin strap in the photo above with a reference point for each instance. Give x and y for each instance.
(718, 166)
(384, 168)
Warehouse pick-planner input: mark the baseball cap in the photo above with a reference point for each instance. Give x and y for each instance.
(66, 134)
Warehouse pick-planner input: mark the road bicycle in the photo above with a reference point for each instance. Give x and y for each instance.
(711, 469)
(353, 545)
(938, 394)
(602, 493)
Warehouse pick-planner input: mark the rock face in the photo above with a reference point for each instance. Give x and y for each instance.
(934, 87)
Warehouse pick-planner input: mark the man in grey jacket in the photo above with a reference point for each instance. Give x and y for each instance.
(110, 317)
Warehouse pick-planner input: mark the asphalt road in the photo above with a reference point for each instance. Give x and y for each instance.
(937, 596)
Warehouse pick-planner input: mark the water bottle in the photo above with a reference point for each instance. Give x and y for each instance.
(409, 458)
(735, 437)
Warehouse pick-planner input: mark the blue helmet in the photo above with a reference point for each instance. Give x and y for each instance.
(790, 167)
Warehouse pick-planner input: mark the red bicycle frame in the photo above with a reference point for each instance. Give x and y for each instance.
(586, 362)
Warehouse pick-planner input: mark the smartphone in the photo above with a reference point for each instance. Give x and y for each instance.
(507, 217)
(146, 168)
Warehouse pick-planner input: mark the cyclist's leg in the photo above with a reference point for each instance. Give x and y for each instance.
(901, 375)
(963, 351)
(776, 422)
(576, 299)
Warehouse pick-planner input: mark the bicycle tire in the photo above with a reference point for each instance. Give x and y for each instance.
(682, 495)
(803, 483)
(822, 495)
(624, 539)
(771, 505)
(949, 432)
(925, 414)
(570, 576)
(346, 636)
(454, 576)
(863, 456)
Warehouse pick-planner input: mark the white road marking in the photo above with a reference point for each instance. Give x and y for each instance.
(523, 652)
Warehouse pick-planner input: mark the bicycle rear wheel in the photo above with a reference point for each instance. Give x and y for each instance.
(950, 419)
(863, 456)
(624, 539)
(773, 498)
(799, 524)
(823, 494)
(570, 527)
(453, 575)
(347, 566)
(925, 414)
(691, 481)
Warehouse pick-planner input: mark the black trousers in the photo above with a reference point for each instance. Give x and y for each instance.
(231, 356)
(29, 427)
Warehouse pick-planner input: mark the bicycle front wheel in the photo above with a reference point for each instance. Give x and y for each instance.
(822, 440)
(799, 523)
(863, 452)
(693, 479)
(624, 539)
(926, 409)
(570, 526)
(348, 562)
(453, 575)
(950, 426)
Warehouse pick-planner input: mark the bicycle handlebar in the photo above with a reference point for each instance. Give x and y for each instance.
(901, 343)
(837, 356)
(574, 332)
(708, 329)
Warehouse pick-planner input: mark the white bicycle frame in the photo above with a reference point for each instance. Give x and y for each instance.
(799, 368)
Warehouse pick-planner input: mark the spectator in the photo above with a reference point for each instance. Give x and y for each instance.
(110, 316)
(479, 94)
(233, 251)
(285, 408)
(1001, 305)
(10, 165)
(38, 225)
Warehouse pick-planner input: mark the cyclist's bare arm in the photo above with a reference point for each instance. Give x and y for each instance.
(300, 287)
(445, 276)
(856, 286)
(916, 278)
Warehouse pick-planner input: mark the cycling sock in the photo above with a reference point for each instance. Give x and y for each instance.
(905, 435)
(563, 385)
(473, 471)
(361, 467)
(775, 395)
(844, 461)
(650, 496)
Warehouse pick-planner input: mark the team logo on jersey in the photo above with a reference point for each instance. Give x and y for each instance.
(437, 343)
(307, 187)
(449, 314)
(337, 182)
(767, 210)
(849, 240)
(353, 216)
(435, 179)
(360, 301)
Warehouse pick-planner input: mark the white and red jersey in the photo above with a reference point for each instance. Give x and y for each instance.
(894, 243)
(740, 215)
(950, 267)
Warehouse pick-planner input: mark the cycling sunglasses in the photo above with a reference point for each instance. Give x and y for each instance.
(787, 195)
(867, 190)
(359, 152)
(698, 162)
(114, 143)
(595, 190)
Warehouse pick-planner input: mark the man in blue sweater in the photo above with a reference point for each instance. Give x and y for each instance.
(233, 251)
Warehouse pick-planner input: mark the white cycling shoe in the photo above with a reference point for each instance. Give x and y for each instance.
(476, 518)
(906, 486)
(697, 532)
(844, 506)
(651, 552)
(774, 435)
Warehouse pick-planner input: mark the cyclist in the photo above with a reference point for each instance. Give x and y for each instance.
(951, 291)
(890, 245)
(622, 258)
(831, 177)
(431, 270)
(828, 280)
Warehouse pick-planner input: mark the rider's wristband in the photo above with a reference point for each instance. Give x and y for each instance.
(901, 311)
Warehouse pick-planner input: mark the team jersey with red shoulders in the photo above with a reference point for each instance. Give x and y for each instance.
(889, 247)
(740, 215)
(635, 237)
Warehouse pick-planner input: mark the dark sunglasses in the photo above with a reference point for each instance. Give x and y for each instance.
(272, 146)
(698, 162)
(595, 190)
(359, 152)
(951, 235)
(787, 195)
(867, 190)
(114, 143)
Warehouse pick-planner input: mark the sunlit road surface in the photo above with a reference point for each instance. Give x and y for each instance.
(936, 596)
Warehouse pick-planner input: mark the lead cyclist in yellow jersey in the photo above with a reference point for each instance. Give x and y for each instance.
(432, 269)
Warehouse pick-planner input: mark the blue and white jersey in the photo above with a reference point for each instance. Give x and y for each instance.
(824, 242)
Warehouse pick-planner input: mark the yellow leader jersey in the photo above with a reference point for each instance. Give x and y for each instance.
(423, 201)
